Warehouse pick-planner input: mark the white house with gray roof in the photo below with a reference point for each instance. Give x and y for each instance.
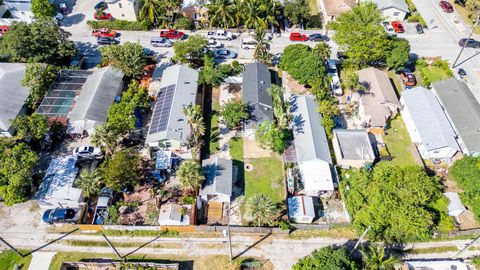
(463, 112)
(256, 81)
(428, 125)
(392, 10)
(353, 148)
(218, 183)
(169, 127)
(13, 95)
(311, 146)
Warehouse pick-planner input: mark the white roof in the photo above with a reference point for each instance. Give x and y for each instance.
(455, 206)
(300, 206)
(12, 94)
(437, 265)
(171, 214)
(316, 175)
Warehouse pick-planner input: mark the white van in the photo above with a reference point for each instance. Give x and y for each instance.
(248, 43)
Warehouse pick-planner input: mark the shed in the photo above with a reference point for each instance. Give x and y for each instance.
(163, 160)
(455, 206)
(172, 215)
(218, 182)
(58, 186)
(301, 209)
(352, 148)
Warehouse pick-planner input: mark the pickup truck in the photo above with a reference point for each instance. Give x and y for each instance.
(221, 35)
(64, 215)
(102, 16)
(104, 32)
(172, 34)
(104, 201)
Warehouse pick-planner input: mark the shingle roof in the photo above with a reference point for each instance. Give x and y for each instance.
(337, 7)
(185, 81)
(218, 176)
(12, 94)
(462, 109)
(354, 144)
(429, 118)
(256, 81)
(384, 4)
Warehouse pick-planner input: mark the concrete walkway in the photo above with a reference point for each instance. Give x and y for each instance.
(41, 260)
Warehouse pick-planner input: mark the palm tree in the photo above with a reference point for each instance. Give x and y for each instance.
(89, 182)
(105, 138)
(190, 174)
(197, 126)
(253, 12)
(261, 209)
(322, 50)
(262, 51)
(152, 11)
(279, 106)
(351, 81)
(375, 259)
(222, 13)
(272, 9)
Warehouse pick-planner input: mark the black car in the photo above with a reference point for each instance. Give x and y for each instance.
(317, 37)
(341, 55)
(462, 73)
(63, 215)
(419, 28)
(101, 6)
(107, 41)
(469, 43)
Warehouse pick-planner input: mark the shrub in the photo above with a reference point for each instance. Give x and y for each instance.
(120, 25)
(285, 225)
(183, 23)
(189, 200)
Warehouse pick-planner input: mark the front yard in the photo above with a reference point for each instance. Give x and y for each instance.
(429, 73)
(398, 143)
(9, 260)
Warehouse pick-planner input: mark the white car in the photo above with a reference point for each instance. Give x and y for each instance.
(335, 84)
(221, 35)
(213, 44)
(389, 28)
(248, 43)
(87, 152)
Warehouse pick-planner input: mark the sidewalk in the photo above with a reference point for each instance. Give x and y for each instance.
(41, 260)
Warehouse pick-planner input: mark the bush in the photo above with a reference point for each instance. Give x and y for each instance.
(285, 225)
(183, 23)
(189, 200)
(120, 25)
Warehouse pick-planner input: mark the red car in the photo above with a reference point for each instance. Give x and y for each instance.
(446, 6)
(296, 36)
(104, 32)
(102, 16)
(398, 27)
(3, 29)
(172, 34)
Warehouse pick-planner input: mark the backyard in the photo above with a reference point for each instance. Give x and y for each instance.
(398, 143)
(265, 177)
(9, 260)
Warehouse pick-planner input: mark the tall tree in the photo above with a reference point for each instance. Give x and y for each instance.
(105, 138)
(322, 50)
(31, 126)
(297, 11)
(399, 55)
(326, 258)
(152, 11)
(89, 182)
(222, 13)
(38, 78)
(261, 210)
(351, 81)
(128, 58)
(190, 174)
(191, 51)
(268, 136)
(262, 48)
(121, 170)
(41, 41)
(254, 14)
(195, 120)
(43, 9)
(302, 64)
(234, 113)
(376, 259)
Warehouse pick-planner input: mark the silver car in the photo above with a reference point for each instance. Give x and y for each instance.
(161, 42)
(224, 54)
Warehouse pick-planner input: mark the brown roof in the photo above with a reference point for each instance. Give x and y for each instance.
(337, 7)
(380, 96)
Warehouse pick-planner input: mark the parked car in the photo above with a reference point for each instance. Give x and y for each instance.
(107, 41)
(248, 43)
(224, 54)
(462, 73)
(101, 6)
(102, 16)
(4, 29)
(268, 35)
(469, 43)
(160, 42)
(104, 201)
(419, 28)
(317, 37)
(213, 44)
(64, 215)
(408, 78)
(332, 71)
(172, 34)
(63, 9)
(446, 6)
(104, 32)
(221, 35)
(148, 54)
(389, 28)
(296, 36)
(398, 27)
(87, 152)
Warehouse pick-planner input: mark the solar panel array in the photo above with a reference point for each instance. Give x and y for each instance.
(162, 109)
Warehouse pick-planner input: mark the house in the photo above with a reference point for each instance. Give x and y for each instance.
(58, 185)
(13, 95)
(218, 183)
(463, 111)
(20, 10)
(428, 125)
(125, 10)
(392, 10)
(333, 8)
(256, 81)
(379, 102)
(311, 146)
(352, 148)
(80, 99)
(172, 215)
(455, 206)
(434, 264)
(301, 209)
(169, 127)
(198, 14)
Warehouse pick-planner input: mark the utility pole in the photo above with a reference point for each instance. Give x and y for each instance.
(361, 238)
(226, 233)
(466, 247)
(471, 33)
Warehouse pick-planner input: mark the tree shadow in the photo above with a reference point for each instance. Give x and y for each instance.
(72, 20)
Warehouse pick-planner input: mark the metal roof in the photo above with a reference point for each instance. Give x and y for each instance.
(218, 176)
(354, 144)
(429, 118)
(462, 110)
(455, 206)
(300, 206)
(256, 81)
(12, 94)
(178, 89)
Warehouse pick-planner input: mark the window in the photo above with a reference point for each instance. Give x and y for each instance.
(396, 13)
(120, 5)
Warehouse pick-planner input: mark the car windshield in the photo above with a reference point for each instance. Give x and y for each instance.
(90, 149)
(69, 214)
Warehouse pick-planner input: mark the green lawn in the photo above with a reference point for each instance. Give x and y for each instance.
(313, 7)
(433, 73)
(236, 148)
(398, 142)
(464, 16)
(265, 178)
(9, 259)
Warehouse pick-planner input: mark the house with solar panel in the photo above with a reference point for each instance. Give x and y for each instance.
(256, 81)
(80, 99)
(169, 128)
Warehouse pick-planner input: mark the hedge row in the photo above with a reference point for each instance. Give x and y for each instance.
(120, 25)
